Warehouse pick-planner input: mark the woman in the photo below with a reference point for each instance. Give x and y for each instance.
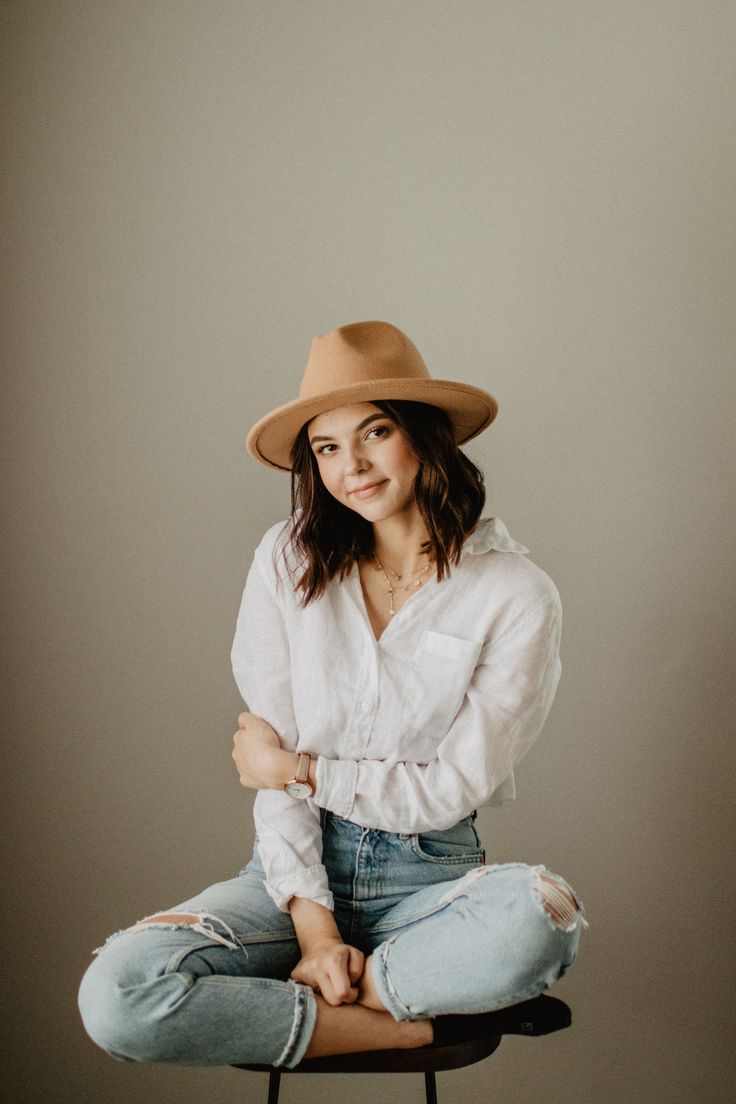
(398, 655)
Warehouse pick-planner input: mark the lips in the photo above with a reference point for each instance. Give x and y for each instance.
(368, 489)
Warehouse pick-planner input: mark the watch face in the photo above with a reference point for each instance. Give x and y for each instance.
(299, 789)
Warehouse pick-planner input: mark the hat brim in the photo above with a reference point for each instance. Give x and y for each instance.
(470, 409)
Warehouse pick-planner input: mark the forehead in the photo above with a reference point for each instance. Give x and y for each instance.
(343, 419)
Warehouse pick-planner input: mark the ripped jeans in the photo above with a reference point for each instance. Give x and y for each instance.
(447, 935)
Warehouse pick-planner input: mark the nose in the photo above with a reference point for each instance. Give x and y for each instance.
(355, 460)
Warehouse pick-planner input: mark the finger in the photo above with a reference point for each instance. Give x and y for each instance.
(325, 983)
(356, 963)
(243, 719)
(328, 993)
(340, 983)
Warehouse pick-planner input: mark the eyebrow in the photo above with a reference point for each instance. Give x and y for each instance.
(361, 425)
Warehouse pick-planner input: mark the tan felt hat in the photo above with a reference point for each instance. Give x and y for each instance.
(365, 362)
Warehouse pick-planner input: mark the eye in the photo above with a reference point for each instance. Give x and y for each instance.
(381, 430)
(320, 450)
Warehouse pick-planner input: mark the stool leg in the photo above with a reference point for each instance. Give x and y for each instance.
(274, 1080)
(430, 1087)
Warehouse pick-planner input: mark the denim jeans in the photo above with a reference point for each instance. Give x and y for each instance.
(447, 933)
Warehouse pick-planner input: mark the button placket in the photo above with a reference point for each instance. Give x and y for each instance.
(366, 701)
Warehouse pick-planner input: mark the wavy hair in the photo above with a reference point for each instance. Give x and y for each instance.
(328, 538)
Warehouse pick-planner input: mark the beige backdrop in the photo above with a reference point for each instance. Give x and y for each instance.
(541, 196)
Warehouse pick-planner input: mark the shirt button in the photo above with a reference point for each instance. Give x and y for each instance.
(366, 707)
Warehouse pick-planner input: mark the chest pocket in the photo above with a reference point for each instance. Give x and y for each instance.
(436, 681)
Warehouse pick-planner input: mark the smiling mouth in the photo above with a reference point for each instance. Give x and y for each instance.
(368, 489)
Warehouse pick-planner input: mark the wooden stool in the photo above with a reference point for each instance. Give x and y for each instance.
(554, 1015)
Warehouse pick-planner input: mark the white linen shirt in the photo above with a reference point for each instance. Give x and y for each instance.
(412, 731)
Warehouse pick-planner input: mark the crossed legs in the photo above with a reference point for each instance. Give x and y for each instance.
(207, 983)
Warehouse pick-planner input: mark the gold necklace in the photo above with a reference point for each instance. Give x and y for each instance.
(415, 582)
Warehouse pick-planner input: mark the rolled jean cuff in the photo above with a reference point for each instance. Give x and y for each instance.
(305, 1017)
(384, 987)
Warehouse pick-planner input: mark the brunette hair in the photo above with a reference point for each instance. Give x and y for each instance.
(328, 538)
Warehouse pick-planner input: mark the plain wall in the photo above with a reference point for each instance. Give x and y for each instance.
(542, 196)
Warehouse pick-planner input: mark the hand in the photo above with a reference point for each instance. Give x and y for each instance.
(332, 968)
(261, 762)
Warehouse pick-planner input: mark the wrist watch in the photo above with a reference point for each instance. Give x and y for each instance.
(299, 785)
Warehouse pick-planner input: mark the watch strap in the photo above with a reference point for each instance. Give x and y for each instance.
(304, 762)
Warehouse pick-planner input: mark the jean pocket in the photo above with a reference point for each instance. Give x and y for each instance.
(458, 845)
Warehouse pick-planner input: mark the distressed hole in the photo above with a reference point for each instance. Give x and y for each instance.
(462, 885)
(173, 918)
(202, 922)
(558, 900)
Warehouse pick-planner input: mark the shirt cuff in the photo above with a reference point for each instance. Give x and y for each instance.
(311, 883)
(337, 781)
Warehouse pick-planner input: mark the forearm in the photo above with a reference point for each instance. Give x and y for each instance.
(285, 766)
(399, 797)
(262, 762)
(314, 924)
(328, 964)
(279, 767)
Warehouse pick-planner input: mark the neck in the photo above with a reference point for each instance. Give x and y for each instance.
(398, 542)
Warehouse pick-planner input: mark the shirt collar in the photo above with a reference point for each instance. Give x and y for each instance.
(491, 533)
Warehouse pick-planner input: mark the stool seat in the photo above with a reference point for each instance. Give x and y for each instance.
(539, 1016)
(412, 1060)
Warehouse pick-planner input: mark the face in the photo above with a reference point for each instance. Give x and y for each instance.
(365, 460)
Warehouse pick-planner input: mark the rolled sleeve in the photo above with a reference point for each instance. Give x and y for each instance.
(310, 882)
(337, 780)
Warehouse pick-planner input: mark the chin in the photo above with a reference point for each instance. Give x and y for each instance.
(381, 514)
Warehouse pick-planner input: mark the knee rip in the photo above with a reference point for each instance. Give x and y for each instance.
(558, 900)
(201, 922)
(176, 918)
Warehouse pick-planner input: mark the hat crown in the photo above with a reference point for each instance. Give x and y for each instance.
(357, 353)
